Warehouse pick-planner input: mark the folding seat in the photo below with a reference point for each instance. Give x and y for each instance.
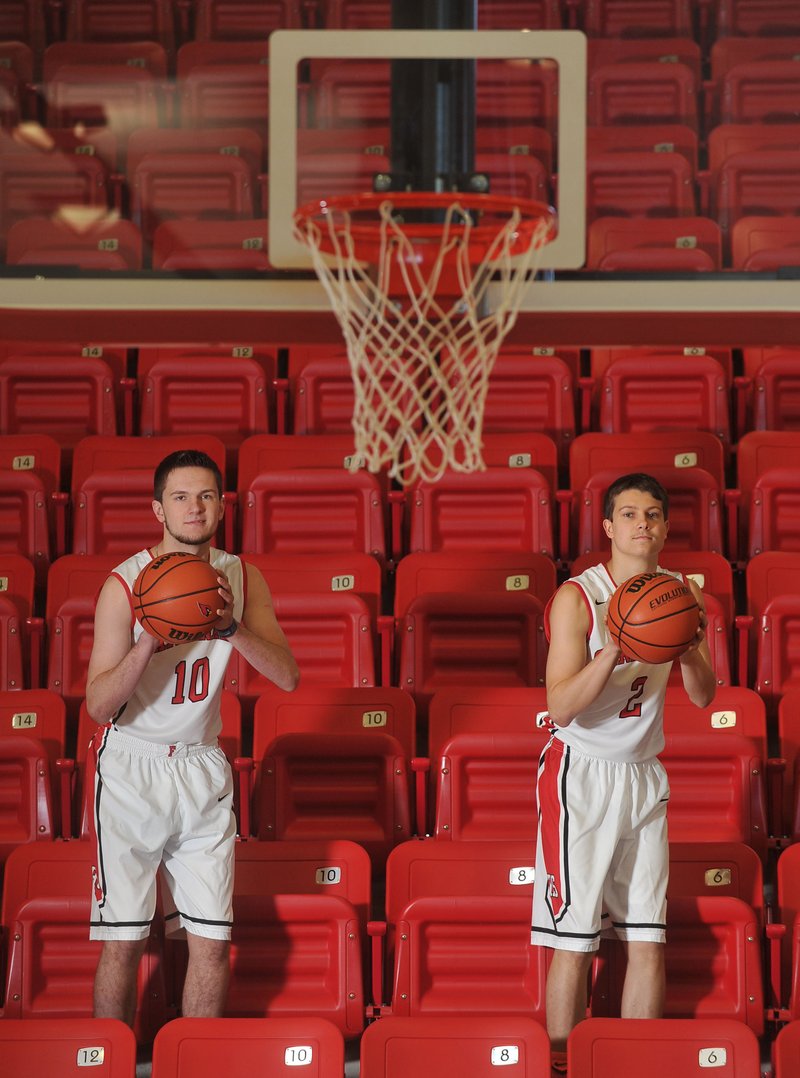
(458, 916)
(32, 184)
(334, 764)
(520, 14)
(678, 395)
(294, 498)
(484, 746)
(221, 391)
(600, 359)
(508, 93)
(756, 183)
(789, 743)
(320, 574)
(56, 1045)
(344, 173)
(30, 469)
(746, 18)
(243, 20)
(226, 95)
(211, 246)
(786, 964)
(396, 1047)
(631, 18)
(202, 52)
(50, 960)
(73, 584)
(506, 507)
(136, 20)
(644, 92)
(765, 243)
(472, 571)
(115, 96)
(768, 400)
(66, 400)
(20, 632)
(190, 185)
(760, 91)
(713, 964)
(26, 794)
(785, 1049)
(727, 140)
(201, 1048)
(695, 512)
(358, 15)
(730, 869)
(144, 53)
(11, 93)
(716, 760)
(24, 21)
(637, 50)
(663, 1047)
(112, 490)
(39, 715)
(17, 57)
(509, 138)
(640, 184)
(769, 635)
(40, 241)
(768, 478)
(654, 244)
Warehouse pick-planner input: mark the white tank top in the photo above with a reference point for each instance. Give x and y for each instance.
(177, 699)
(626, 721)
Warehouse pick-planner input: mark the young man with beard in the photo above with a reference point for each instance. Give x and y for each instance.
(161, 787)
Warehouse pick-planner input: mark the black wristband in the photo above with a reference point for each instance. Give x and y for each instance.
(225, 634)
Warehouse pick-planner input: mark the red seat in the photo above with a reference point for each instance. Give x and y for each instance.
(324, 175)
(644, 137)
(640, 184)
(50, 960)
(785, 1050)
(652, 244)
(768, 653)
(211, 245)
(516, 14)
(110, 95)
(26, 794)
(765, 243)
(396, 1047)
(42, 184)
(637, 50)
(663, 1047)
(55, 1045)
(40, 241)
(203, 1047)
(632, 18)
(472, 571)
(358, 15)
(24, 21)
(768, 474)
(757, 183)
(788, 880)
(458, 918)
(789, 741)
(112, 490)
(760, 91)
(202, 52)
(713, 963)
(730, 869)
(226, 95)
(30, 466)
(320, 574)
(648, 91)
(146, 53)
(746, 17)
(772, 378)
(484, 748)
(716, 759)
(40, 715)
(242, 20)
(136, 20)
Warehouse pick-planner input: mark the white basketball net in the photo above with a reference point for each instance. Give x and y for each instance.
(420, 364)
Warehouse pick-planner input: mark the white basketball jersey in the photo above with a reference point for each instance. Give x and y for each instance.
(177, 697)
(625, 722)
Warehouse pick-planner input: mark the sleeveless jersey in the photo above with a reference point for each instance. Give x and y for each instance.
(177, 698)
(625, 722)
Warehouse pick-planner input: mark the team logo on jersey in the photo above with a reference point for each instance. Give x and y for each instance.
(552, 890)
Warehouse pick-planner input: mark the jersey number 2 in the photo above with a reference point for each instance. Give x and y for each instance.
(197, 681)
(633, 708)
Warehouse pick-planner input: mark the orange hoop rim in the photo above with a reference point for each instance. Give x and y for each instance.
(365, 236)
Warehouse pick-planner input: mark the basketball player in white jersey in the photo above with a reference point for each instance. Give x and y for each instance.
(160, 788)
(602, 856)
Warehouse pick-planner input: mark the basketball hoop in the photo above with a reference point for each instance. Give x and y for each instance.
(410, 295)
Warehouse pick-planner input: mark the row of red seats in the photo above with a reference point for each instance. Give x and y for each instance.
(395, 1047)
(370, 765)
(109, 474)
(470, 900)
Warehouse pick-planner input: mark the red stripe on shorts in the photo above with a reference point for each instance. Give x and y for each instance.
(553, 816)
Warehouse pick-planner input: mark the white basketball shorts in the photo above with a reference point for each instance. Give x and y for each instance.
(160, 806)
(602, 859)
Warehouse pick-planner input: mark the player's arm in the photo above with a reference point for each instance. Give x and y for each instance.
(696, 670)
(573, 680)
(259, 638)
(116, 664)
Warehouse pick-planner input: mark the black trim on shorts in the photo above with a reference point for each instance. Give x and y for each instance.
(97, 828)
(638, 924)
(120, 924)
(197, 920)
(566, 935)
(565, 837)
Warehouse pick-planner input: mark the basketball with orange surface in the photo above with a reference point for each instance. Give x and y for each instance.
(176, 597)
(654, 617)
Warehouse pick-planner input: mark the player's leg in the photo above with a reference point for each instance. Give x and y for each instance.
(645, 981)
(567, 994)
(116, 978)
(208, 972)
